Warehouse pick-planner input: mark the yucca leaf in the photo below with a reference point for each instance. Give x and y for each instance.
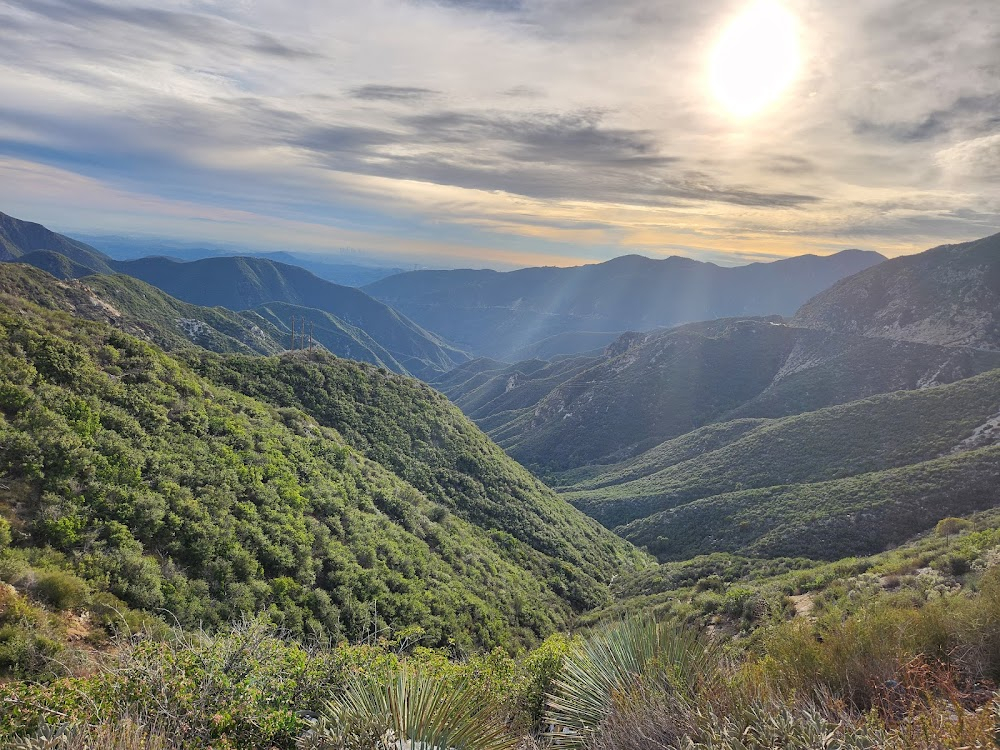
(624, 663)
(426, 713)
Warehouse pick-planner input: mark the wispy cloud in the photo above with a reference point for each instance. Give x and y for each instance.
(489, 132)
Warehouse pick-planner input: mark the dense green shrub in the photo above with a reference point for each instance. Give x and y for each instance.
(163, 490)
(61, 590)
(951, 526)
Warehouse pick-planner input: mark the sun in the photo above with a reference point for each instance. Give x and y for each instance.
(756, 59)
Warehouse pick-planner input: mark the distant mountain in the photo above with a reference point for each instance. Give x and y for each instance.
(268, 294)
(244, 283)
(504, 315)
(19, 240)
(145, 311)
(948, 295)
(818, 439)
(132, 248)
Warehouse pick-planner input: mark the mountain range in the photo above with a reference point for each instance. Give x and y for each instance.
(759, 435)
(133, 248)
(646, 388)
(544, 312)
(343, 319)
(870, 415)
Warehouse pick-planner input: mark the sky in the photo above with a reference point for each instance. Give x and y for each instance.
(505, 133)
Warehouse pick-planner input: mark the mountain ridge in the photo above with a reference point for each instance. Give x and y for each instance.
(947, 295)
(498, 314)
(351, 322)
(649, 387)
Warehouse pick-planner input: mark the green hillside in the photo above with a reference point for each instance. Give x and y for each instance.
(245, 283)
(145, 311)
(882, 432)
(857, 515)
(648, 388)
(345, 320)
(141, 310)
(750, 592)
(161, 489)
(422, 438)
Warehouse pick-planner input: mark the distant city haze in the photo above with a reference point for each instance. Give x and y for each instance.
(505, 133)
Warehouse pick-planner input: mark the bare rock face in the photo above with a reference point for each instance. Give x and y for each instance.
(948, 296)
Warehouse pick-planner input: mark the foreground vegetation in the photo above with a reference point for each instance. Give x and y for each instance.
(897, 651)
(887, 673)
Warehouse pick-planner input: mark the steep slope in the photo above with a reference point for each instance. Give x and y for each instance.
(140, 310)
(883, 432)
(145, 311)
(20, 239)
(163, 488)
(858, 515)
(651, 387)
(243, 283)
(948, 295)
(414, 431)
(504, 314)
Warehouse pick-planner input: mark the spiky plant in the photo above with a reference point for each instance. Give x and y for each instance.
(638, 660)
(410, 710)
(123, 734)
(769, 724)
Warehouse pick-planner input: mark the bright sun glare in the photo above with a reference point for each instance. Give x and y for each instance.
(756, 58)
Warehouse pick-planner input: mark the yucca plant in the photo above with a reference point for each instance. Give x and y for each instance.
(639, 660)
(771, 724)
(124, 734)
(410, 711)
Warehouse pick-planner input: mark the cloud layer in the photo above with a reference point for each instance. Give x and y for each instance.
(498, 132)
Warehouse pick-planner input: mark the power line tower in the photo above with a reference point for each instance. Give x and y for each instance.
(293, 335)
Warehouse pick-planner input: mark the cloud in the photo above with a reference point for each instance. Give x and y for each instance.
(375, 92)
(192, 28)
(573, 127)
(978, 158)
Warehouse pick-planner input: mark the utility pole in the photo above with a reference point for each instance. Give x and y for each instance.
(293, 334)
(310, 335)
